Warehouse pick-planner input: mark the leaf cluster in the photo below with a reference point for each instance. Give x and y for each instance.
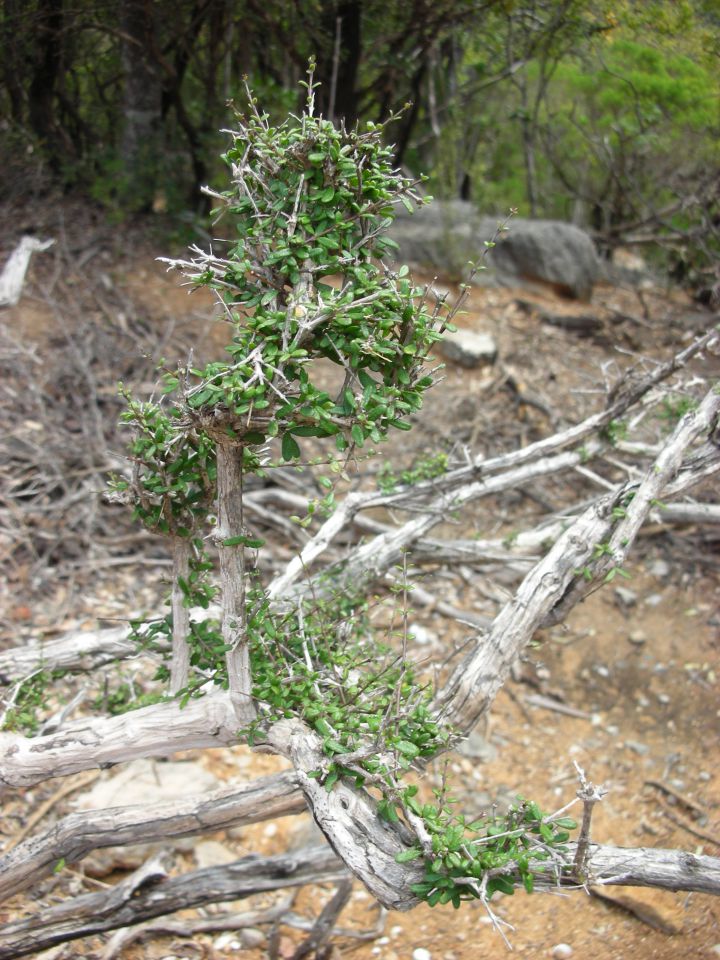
(475, 860)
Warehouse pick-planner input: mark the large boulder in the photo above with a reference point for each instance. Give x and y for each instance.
(552, 252)
(445, 235)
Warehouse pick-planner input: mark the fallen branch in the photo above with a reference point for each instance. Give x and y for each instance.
(78, 834)
(149, 893)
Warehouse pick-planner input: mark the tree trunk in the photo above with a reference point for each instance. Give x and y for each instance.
(41, 95)
(140, 143)
(341, 83)
(181, 615)
(232, 577)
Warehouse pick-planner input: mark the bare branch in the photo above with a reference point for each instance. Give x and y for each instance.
(77, 834)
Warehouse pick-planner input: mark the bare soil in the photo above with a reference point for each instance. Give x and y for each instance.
(642, 670)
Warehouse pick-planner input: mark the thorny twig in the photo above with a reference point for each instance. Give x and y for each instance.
(590, 795)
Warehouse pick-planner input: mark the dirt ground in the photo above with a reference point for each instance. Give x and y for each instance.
(639, 670)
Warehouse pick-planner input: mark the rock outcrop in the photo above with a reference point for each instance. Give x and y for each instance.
(445, 235)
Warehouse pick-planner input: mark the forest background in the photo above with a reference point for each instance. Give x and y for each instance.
(605, 114)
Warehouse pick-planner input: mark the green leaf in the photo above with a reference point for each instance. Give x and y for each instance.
(290, 448)
(358, 434)
(407, 855)
(407, 748)
(245, 541)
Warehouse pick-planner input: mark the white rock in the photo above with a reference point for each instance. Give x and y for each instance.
(210, 853)
(422, 636)
(251, 938)
(562, 951)
(147, 781)
(468, 348)
(420, 953)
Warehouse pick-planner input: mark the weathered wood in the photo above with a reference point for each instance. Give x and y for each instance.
(12, 277)
(554, 585)
(76, 835)
(653, 867)
(350, 820)
(232, 576)
(180, 662)
(152, 731)
(149, 892)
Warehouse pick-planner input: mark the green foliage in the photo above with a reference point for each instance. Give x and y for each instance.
(424, 468)
(303, 281)
(674, 408)
(321, 205)
(615, 432)
(174, 469)
(475, 860)
(31, 696)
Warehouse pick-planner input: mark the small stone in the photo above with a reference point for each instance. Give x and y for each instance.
(654, 600)
(660, 569)
(562, 951)
(715, 949)
(227, 941)
(638, 637)
(395, 931)
(422, 636)
(210, 853)
(704, 776)
(625, 597)
(468, 349)
(420, 953)
(477, 747)
(639, 748)
(601, 670)
(251, 938)
(270, 830)
(663, 698)
(612, 729)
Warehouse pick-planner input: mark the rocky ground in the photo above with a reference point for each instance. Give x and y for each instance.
(627, 687)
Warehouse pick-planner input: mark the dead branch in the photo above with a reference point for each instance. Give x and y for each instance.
(76, 835)
(153, 731)
(149, 893)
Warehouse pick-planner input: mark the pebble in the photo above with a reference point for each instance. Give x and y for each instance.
(654, 600)
(420, 953)
(625, 597)
(562, 951)
(639, 748)
(663, 698)
(660, 569)
(704, 776)
(638, 637)
(422, 636)
(715, 949)
(251, 938)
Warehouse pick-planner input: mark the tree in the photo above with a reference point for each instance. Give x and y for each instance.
(291, 665)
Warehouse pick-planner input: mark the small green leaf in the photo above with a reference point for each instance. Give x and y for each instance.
(407, 855)
(290, 448)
